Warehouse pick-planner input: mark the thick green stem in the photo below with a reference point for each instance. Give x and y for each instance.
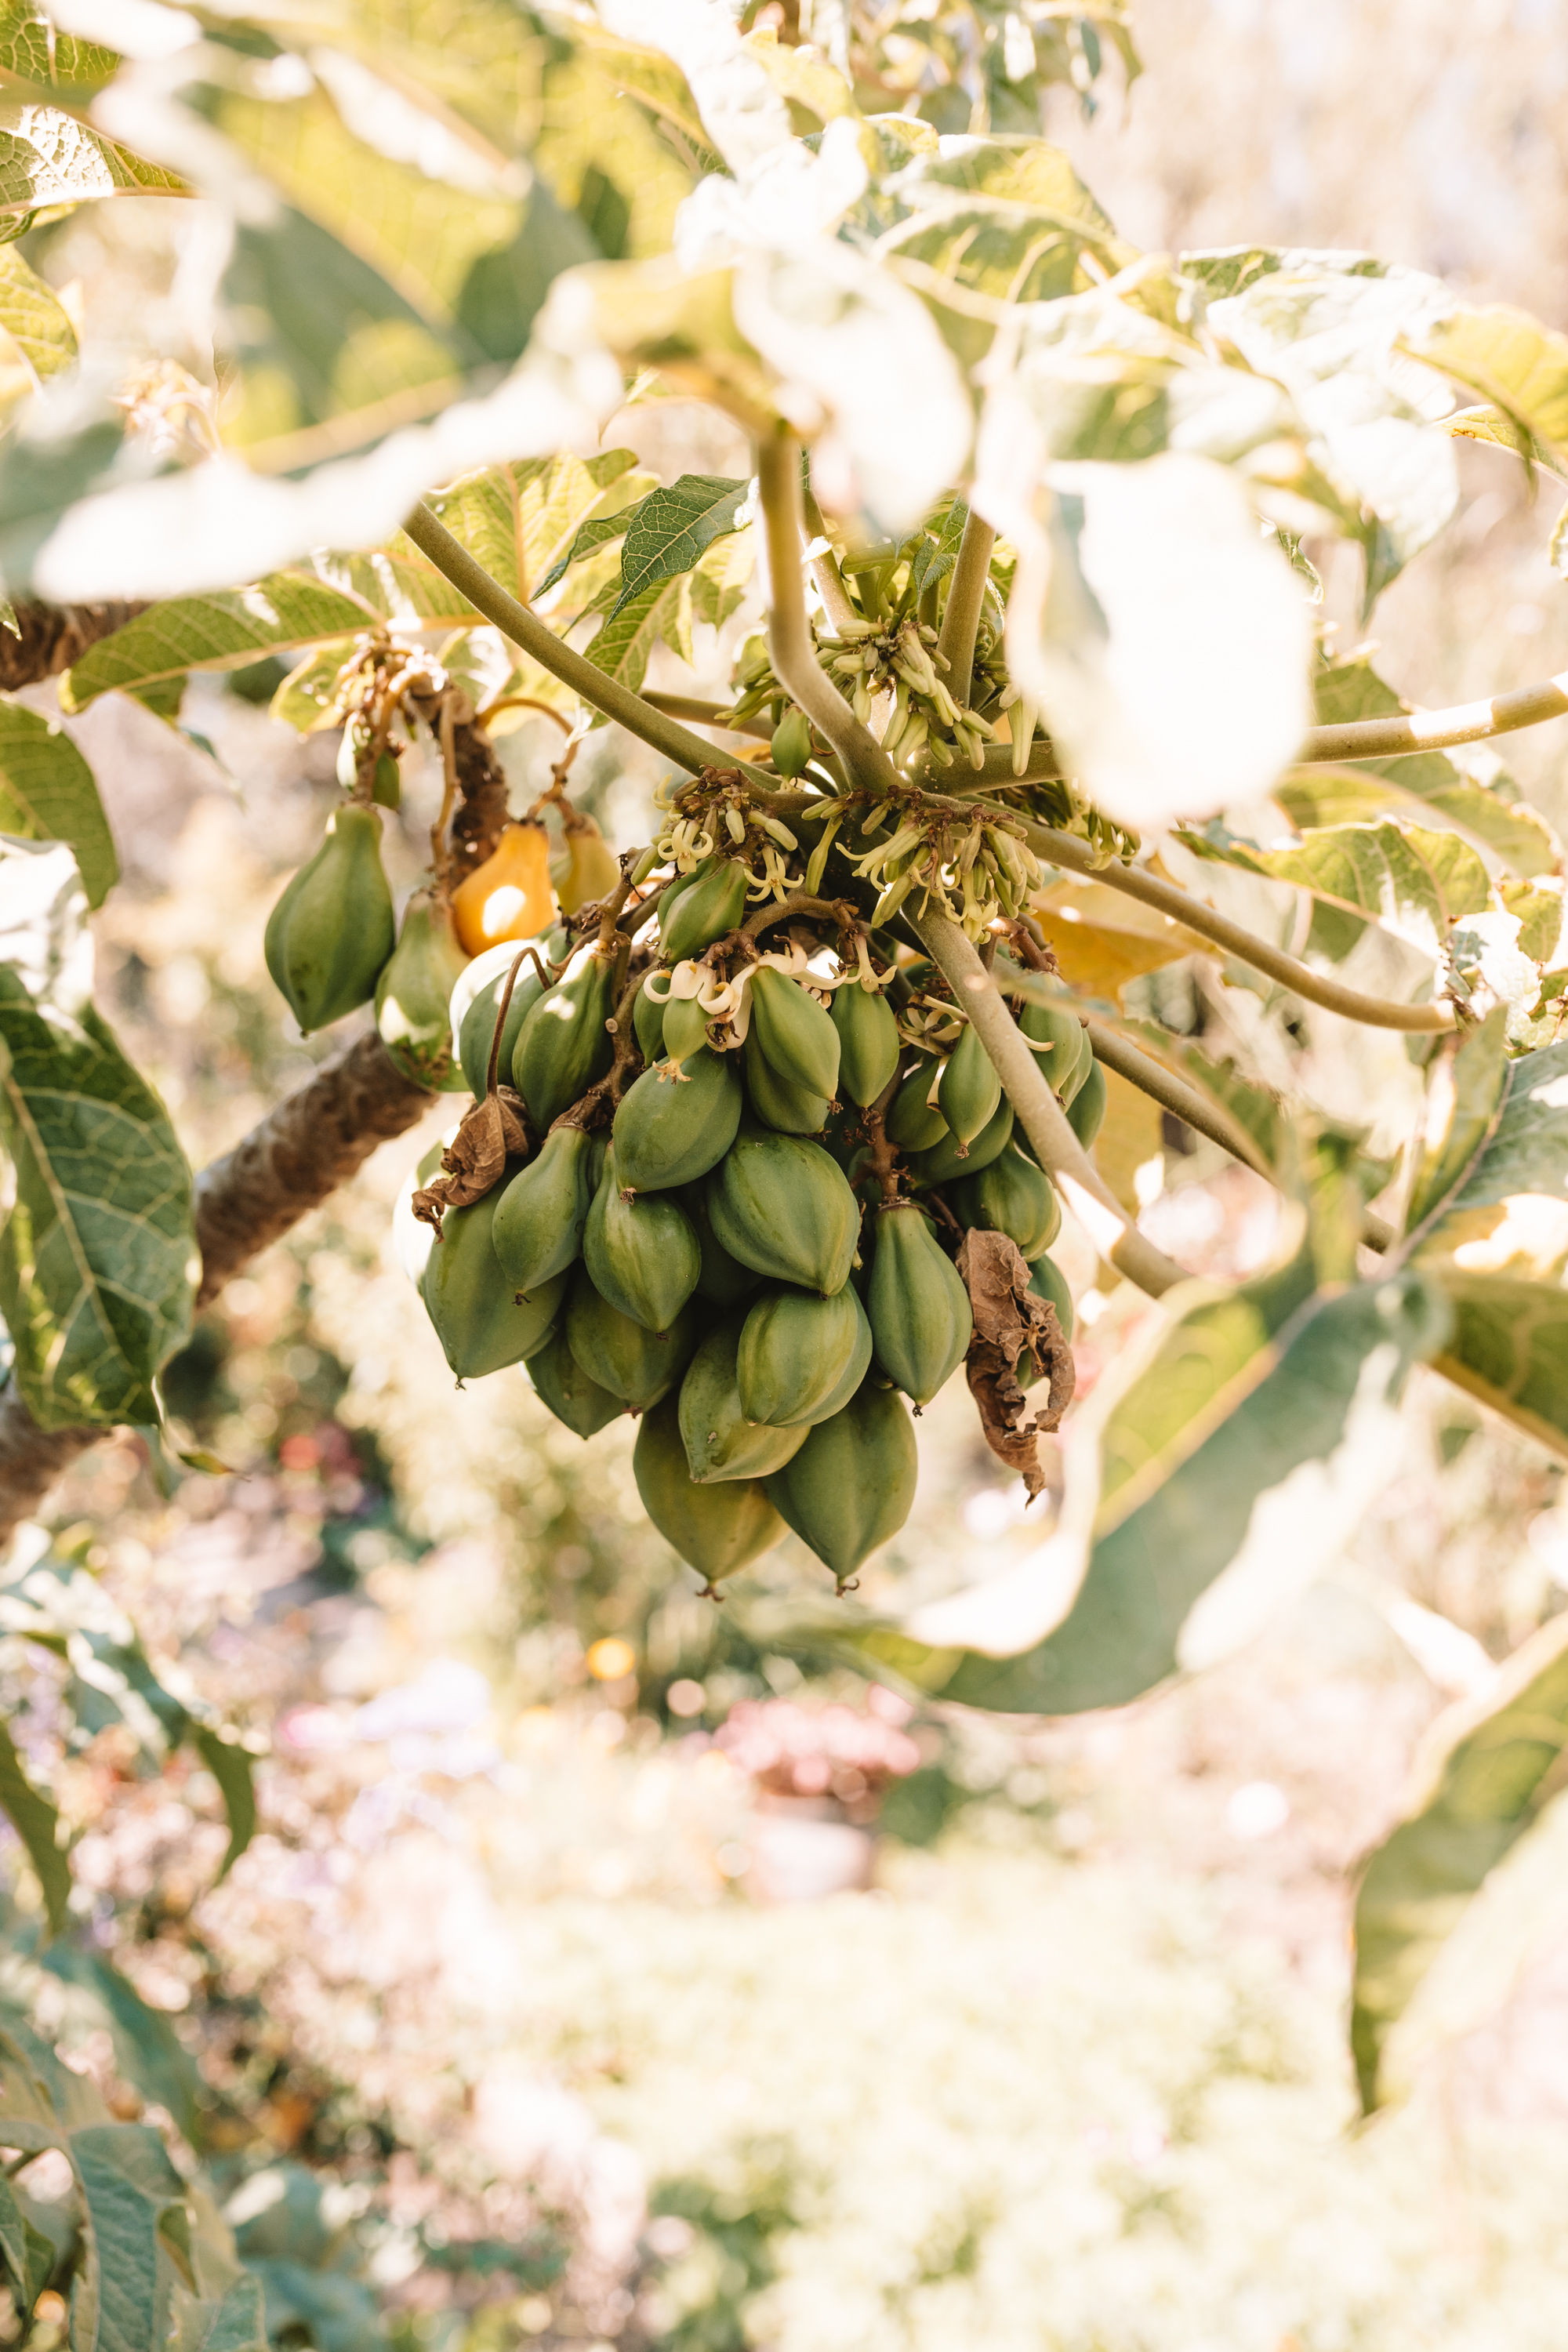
(1434, 730)
(825, 570)
(1373, 1011)
(1060, 1153)
(1174, 1095)
(794, 656)
(528, 632)
(966, 596)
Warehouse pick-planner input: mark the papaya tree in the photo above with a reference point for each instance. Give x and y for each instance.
(763, 1126)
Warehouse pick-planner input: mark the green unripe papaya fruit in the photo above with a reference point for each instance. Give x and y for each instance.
(478, 1318)
(565, 1388)
(540, 1212)
(1013, 1196)
(791, 744)
(332, 929)
(641, 1254)
(474, 1010)
(718, 1529)
(795, 1032)
(861, 1361)
(782, 1206)
(912, 1123)
(723, 1280)
(563, 1045)
(1066, 1063)
(673, 1125)
(1085, 1112)
(721, 1442)
(623, 1356)
(685, 1028)
(413, 994)
(942, 1163)
(796, 1351)
(852, 1484)
(648, 1020)
(713, 905)
(970, 1089)
(1048, 1281)
(918, 1308)
(791, 1110)
(868, 1043)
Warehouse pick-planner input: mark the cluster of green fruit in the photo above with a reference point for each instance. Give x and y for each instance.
(750, 1256)
(332, 943)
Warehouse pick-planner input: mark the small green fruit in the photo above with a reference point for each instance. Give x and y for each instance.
(641, 1254)
(332, 929)
(721, 1442)
(852, 1484)
(794, 1033)
(788, 1109)
(913, 1123)
(624, 1356)
(563, 1045)
(1085, 1112)
(782, 1206)
(717, 1528)
(673, 1125)
(868, 1043)
(479, 1321)
(540, 1212)
(918, 1309)
(970, 1089)
(796, 1353)
(714, 904)
(583, 1406)
(413, 994)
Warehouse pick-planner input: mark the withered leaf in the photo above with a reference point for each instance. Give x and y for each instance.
(493, 1130)
(1009, 1318)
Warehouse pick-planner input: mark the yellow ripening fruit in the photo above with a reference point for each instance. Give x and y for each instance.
(507, 898)
(587, 869)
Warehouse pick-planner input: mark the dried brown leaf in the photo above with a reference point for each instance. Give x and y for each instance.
(475, 1161)
(1009, 1318)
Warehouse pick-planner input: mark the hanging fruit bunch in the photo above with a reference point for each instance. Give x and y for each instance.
(739, 1166)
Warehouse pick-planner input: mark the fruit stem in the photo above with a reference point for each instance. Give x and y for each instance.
(1061, 1155)
(1134, 882)
(884, 1152)
(529, 633)
(501, 1011)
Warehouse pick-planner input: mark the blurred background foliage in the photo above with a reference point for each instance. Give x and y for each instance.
(606, 1970)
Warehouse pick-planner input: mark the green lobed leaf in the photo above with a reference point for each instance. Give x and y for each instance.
(36, 1823)
(34, 50)
(1488, 1765)
(98, 1254)
(1237, 1393)
(134, 2200)
(669, 531)
(48, 792)
(234, 1769)
(33, 317)
(233, 2322)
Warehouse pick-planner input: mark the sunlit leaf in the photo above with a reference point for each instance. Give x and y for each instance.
(1508, 357)
(1492, 813)
(1234, 1458)
(47, 794)
(229, 2323)
(97, 1254)
(29, 2256)
(32, 315)
(218, 632)
(660, 614)
(1259, 1114)
(1486, 1769)
(1101, 938)
(50, 157)
(1467, 1080)
(1411, 882)
(134, 2201)
(1166, 641)
(672, 528)
(522, 521)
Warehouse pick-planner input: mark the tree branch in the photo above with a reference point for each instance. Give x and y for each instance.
(961, 617)
(308, 1145)
(1434, 730)
(52, 637)
(1061, 1155)
(528, 632)
(1374, 1011)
